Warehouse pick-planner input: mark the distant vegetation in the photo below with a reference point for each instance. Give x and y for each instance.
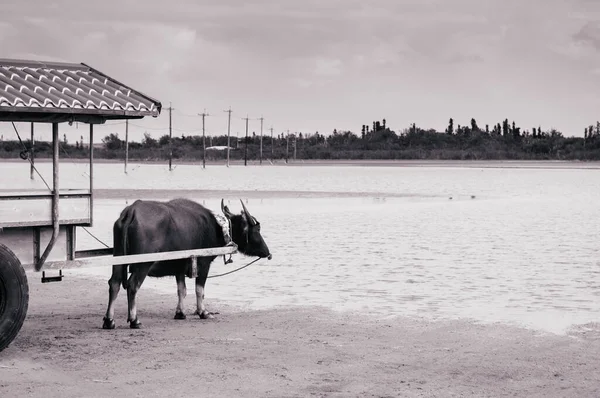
(503, 140)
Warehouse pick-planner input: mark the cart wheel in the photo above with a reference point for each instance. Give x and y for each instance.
(14, 296)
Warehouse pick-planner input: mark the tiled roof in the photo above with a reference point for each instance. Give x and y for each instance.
(67, 89)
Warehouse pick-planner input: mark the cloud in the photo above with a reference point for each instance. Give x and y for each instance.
(327, 67)
(322, 57)
(589, 34)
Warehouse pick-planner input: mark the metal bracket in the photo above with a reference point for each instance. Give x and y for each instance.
(46, 279)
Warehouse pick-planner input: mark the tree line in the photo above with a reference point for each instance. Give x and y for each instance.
(503, 140)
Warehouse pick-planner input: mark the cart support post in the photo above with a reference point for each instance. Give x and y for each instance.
(31, 154)
(91, 174)
(55, 198)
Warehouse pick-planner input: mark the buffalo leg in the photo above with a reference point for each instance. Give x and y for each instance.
(133, 285)
(203, 269)
(181, 293)
(114, 284)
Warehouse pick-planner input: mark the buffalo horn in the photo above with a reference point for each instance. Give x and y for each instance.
(225, 210)
(248, 215)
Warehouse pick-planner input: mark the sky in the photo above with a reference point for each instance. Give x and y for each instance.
(311, 65)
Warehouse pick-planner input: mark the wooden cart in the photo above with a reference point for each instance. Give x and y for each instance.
(38, 229)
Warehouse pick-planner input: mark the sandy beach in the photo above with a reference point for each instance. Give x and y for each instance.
(286, 352)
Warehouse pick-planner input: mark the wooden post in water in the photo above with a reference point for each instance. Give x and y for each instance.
(31, 154)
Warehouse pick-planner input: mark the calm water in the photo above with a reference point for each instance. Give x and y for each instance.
(523, 251)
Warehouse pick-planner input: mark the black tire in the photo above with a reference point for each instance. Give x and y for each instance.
(14, 296)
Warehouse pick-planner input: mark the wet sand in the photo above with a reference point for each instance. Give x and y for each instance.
(284, 352)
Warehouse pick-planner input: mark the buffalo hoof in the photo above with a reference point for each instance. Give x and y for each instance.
(206, 315)
(179, 315)
(135, 324)
(108, 323)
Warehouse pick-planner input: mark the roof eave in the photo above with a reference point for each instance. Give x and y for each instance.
(44, 115)
(157, 103)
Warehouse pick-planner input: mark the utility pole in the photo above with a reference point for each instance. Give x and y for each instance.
(246, 146)
(126, 143)
(272, 144)
(295, 145)
(287, 146)
(31, 167)
(228, 133)
(170, 138)
(204, 114)
(261, 137)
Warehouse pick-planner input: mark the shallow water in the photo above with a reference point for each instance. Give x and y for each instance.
(516, 246)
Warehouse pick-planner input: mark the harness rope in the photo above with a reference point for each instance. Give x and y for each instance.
(227, 231)
(235, 270)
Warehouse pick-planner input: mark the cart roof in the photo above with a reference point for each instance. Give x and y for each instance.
(35, 91)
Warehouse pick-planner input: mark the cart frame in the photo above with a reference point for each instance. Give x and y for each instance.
(41, 92)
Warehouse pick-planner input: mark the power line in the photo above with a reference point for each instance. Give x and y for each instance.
(147, 128)
(185, 114)
(109, 124)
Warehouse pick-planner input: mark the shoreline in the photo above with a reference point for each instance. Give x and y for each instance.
(542, 164)
(120, 193)
(294, 352)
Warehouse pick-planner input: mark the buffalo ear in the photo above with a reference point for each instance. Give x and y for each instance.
(225, 210)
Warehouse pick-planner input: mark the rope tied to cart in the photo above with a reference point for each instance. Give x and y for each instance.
(25, 155)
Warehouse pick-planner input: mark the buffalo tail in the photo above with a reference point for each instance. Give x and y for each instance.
(125, 222)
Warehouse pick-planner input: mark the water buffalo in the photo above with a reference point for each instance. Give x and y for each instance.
(179, 224)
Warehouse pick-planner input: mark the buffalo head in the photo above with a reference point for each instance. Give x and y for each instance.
(245, 232)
